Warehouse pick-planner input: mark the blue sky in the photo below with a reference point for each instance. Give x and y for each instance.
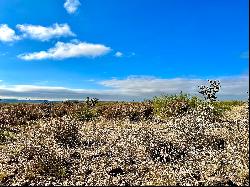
(122, 49)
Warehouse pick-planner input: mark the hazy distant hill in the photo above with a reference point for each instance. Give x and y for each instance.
(23, 101)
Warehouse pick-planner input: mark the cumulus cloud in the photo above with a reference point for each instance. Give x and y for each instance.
(118, 54)
(68, 50)
(42, 33)
(71, 6)
(7, 34)
(131, 88)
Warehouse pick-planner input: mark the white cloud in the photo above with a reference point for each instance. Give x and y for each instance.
(138, 85)
(50, 92)
(7, 34)
(132, 88)
(71, 6)
(150, 86)
(68, 50)
(118, 54)
(42, 33)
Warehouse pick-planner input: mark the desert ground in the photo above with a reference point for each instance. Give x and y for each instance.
(123, 143)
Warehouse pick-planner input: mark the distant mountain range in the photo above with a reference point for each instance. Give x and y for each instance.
(46, 101)
(24, 101)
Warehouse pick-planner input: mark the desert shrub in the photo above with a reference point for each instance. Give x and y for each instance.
(227, 105)
(87, 114)
(166, 106)
(46, 162)
(133, 111)
(134, 116)
(67, 135)
(6, 136)
(173, 105)
(68, 103)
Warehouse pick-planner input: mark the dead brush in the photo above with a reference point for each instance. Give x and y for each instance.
(132, 111)
(45, 162)
(67, 134)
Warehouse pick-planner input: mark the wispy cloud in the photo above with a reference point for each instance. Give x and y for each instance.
(244, 55)
(46, 92)
(42, 33)
(151, 86)
(68, 50)
(71, 6)
(118, 54)
(131, 88)
(7, 34)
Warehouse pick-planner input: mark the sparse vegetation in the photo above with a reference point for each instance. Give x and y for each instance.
(174, 105)
(171, 140)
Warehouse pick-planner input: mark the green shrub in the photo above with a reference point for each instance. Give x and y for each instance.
(6, 136)
(219, 107)
(227, 105)
(166, 106)
(173, 105)
(87, 114)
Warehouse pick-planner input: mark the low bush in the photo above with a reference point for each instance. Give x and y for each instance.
(46, 162)
(166, 106)
(6, 136)
(174, 105)
(87, 114)
(132, 111)
(67, 135)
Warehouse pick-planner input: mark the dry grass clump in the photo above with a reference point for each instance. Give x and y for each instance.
(132, 111)
(59, 148)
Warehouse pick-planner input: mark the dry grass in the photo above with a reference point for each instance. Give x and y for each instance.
(50, 145)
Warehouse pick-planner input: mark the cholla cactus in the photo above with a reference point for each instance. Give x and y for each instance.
(209, 92)
(91, 102)
(88, 101)
(94, 101)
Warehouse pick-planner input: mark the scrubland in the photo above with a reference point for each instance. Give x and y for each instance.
(170, 140)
